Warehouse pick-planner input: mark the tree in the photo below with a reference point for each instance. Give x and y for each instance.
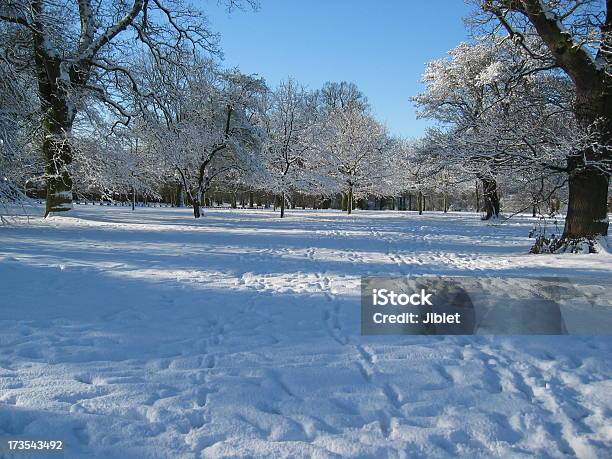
(199, 122)
(422, 169)
(78, 50)
(459, 91)
(503, 114)
(119, 164)
(289, 120)
(343, 94)
(357, 151)
(19, 165)
(577, 37)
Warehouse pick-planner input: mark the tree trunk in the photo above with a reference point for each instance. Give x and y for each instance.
(133, 198)
(58, 156)
(349, 200)
(282, 205)
(421, 203)
(587, 208)
(196, 208)
(179, 195)
(491, 198)
(56, 128)
(588, 186)
(251, 200)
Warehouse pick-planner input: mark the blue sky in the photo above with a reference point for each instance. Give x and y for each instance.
(381, 45)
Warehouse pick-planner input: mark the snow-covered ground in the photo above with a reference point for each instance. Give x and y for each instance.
(150, 334)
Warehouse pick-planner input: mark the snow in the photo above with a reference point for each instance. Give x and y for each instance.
(152, 334)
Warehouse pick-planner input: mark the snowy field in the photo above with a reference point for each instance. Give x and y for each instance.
(150, 334)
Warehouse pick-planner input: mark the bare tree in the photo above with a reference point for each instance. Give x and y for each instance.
(19, 165)
(343, 94)
(199, 122)
(577, 38)
(504, 114)
(358, 153)
(288, 124)
(80, 49)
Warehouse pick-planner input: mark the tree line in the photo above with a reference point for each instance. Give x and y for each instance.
(112, 98)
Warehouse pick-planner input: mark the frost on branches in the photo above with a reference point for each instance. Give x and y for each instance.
(572, 39)
(81, 53)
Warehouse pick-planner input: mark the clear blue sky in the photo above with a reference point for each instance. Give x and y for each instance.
(381, 45)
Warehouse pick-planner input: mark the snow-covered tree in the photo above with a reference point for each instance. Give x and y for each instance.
(120, 164)
(458, 91)
(81, 50)
(501, 114)
(200, 125)
(574, 36)
(344, 94)
(418, 169)
(289, 123)
(20, 165)
(357, 151)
